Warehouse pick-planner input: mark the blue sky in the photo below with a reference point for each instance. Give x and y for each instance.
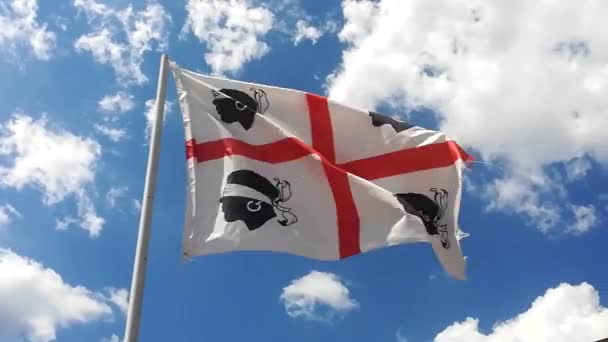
(525, 100)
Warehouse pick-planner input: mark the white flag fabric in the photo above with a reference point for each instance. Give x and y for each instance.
(276, 169)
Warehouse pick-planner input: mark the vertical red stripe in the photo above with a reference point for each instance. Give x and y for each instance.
(346, 210)
(320, 122)
(347, 214)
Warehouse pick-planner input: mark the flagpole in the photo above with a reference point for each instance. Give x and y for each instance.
(141, 252)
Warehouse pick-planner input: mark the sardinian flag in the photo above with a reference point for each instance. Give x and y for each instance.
(275, 169)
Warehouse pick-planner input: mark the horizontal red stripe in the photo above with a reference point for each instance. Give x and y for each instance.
(276, 152)
(467, 158)
(190, 144)
(384, 165)
(405, 161)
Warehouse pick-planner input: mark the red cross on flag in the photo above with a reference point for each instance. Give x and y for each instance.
(275, 169)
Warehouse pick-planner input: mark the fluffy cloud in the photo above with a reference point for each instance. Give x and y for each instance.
(135, 206)
(317, 296)
(566, 313)
(577, 168)
(114, 134)
(19, 26)
(585, 218)
(114, 194)
(87, 217)
(110, 106)
(89, 220)
(120, 38)
(64, 223)
(56, 162)
(525, 93)
(113, 338)
(36, 301)
(120, 102)
(232, 31)
(523, 195)
(305, 30)
(120, 298)
(7, 214)
(399, 336)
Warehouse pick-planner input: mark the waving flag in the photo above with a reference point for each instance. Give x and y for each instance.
(275, 169)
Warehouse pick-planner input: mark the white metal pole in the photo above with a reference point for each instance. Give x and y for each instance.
(141, 252)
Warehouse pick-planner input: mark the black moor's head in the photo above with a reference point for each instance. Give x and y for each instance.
(234, 105)
(379, 120)
(254, 213)
(253, 199)
(421, 206)
(430, 211)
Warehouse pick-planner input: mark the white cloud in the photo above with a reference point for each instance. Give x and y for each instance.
(504, 79)
(120, 38)
(36, 301)
(114, 134)
(61, 23)
(135, 206)
(577, 168)
(56, 162)
(585, 218)
(567, 313)
(150, 113)
(232, 31)
(7, 214)
(64, 223)
(105, 50)
(120, 102)
(306, 31)
(89, 220)
(317, 296)
(399, 336)
(524, 196)
(19, 26)
(527, 196)
(93, 9)
(360, 18)
(110, 106)
(113, 338)
(114, 194)
(120, 298)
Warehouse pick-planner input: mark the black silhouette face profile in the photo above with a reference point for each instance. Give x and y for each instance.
(253, 199)
(252, 212)
(379, 120)
(236, 106)
(428, 210)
